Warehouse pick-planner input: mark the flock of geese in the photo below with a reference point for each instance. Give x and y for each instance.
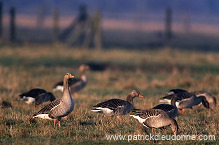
(176, 100)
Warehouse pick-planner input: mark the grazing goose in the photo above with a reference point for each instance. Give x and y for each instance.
(209, 97)
(171, 110)
(36, 96)
(187, 100)
(75, 84)
(167, 99)
(60, 107)
(155, 118)
(117, 107)
(4, 104)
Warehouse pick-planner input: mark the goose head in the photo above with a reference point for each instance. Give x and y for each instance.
(174, 126)
(68, 76)
(133, 94)
(83, 68)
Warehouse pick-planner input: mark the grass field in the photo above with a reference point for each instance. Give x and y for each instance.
(152, 72)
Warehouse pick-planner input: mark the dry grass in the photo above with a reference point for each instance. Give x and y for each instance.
(151, 72)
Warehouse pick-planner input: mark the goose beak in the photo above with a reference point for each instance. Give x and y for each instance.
(175, 132)
(71, 76)
(140, 95)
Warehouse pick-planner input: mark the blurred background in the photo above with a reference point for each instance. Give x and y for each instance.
(105, 24)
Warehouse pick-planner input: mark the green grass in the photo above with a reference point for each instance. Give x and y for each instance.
(152, 72)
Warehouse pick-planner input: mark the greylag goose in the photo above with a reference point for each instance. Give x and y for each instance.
(167, 99)
(36, 96)
(184, 100)
(59, 107)
(117, 107)
(209, 97)
(171, 110)
(155, 118)
(75, 84)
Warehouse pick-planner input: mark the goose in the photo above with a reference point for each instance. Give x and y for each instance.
(75, 84)
(209, 97)
(167, 99)
(59, 107)
(171, 110)
(36, 96)
(117, 107)
(184, 100)
(155, 118)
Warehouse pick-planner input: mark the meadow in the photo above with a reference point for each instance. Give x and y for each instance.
(152, 72)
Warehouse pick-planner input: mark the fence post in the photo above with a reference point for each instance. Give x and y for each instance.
(12, 25)
(97, 30)
(55, 36)
(168, 26)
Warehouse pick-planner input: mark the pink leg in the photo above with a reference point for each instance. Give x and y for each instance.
(181, 111)
(59, 123)
(152, 130)
(54, 122)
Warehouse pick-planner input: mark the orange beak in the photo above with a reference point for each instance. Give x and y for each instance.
(140, 95)
(71, 76)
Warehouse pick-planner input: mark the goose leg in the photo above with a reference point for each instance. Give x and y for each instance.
(181, 111)
(152, 130)
(54, 122)
(59, 123)
(110, 117)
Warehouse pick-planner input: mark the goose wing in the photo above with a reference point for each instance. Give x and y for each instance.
(33, 92)
(112, 104)
(164, 107)
(47, 109)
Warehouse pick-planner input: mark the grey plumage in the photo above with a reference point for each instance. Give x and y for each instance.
(155, 118)
(183, 99)
(171, 110)
(36, 96)
(75, 84)
(209, 97)
(170, 93)
(117, 107)
(60, 107)
(188, 100)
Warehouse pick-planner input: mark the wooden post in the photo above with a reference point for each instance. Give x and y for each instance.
(168, 26)
(97, 31)
(55, 26)
(1, 23)
(12, 25)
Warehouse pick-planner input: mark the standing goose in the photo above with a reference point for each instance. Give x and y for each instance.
(187, 100)
(167, 99)
(36, 96)
(155, 118)
(75, 84)
(171, 110)
(117, 107)
(209, 97)
(60, 107)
